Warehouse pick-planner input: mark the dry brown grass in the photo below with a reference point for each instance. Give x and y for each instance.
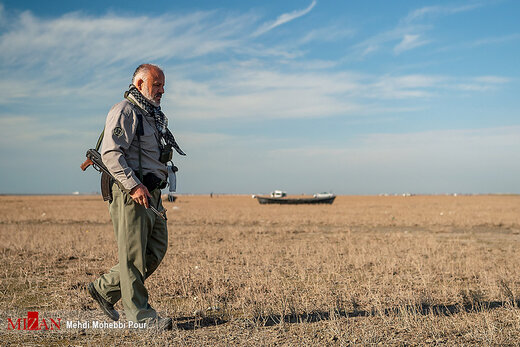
(393, 270)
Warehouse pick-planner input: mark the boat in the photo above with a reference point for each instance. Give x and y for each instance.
(278, 197)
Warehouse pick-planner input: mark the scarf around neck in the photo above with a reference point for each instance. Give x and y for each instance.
(161, 122)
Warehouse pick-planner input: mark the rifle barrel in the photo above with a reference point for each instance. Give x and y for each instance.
(154, 210)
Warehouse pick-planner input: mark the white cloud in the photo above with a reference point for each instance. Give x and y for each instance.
(400, 36)
(308, 65)
(327, 34)
(382, 40)
(369, 48)
(405, 87)
(423, 12)
(277, 51)
(63, 59)
(256, 91)
(409, 42)
(481, 83)
(77, 40)
(282, 19)
(495, 40)
(492, 79)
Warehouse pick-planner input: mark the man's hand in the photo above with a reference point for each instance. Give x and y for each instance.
(140, 195)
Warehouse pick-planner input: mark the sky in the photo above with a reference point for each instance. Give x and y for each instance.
(349, 97)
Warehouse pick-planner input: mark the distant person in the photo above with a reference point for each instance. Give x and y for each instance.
(137, 146)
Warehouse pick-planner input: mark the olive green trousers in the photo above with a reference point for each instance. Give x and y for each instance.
(142, 240)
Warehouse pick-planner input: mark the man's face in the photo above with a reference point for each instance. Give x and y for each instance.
(152, 87)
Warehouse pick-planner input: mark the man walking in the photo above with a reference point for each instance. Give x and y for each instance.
(137, 146)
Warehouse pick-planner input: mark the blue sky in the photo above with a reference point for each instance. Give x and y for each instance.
(354, 97)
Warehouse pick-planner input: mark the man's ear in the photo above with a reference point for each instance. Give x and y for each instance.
(139, 84)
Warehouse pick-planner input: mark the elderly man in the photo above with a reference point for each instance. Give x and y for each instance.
(137, 146)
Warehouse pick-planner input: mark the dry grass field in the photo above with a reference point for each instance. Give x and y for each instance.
(365, 270)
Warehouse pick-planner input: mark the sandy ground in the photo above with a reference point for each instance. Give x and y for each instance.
(365, 270)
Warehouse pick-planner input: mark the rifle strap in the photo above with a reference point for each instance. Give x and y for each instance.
(100, 139)
(139, 132)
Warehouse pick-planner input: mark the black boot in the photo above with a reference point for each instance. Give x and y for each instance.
(105, 306)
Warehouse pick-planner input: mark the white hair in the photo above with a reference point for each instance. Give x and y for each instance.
(142, 72)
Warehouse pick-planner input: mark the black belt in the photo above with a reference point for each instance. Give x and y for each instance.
(153, 182)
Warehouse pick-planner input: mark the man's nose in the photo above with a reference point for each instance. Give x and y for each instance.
(161, 89)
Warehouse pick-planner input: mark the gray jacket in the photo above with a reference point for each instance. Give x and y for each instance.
(120, 149)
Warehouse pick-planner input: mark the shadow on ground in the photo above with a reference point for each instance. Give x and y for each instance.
(423, 309)
(192, 323)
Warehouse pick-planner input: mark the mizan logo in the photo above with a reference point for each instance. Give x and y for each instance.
(32, 322)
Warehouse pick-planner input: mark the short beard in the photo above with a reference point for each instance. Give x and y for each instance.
(150, 98)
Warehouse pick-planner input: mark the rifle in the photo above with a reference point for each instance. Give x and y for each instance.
(94, 159)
